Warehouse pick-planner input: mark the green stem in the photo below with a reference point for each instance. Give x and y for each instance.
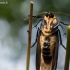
(67, 50)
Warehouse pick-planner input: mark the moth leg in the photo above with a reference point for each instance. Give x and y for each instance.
(37, 23)
(38, 31)
(61, 27)
(64, 23)
(63, 30)
(34, 42)
(55, 31)
(61, 40)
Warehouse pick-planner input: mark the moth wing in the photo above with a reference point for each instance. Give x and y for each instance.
(55, 56)
(38, 54)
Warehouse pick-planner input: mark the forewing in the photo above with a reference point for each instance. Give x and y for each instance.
(55, 55)
(38, 53)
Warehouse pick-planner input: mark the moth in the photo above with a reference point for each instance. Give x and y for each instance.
(48, 39)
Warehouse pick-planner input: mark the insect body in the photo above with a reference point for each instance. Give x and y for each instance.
(48, 38)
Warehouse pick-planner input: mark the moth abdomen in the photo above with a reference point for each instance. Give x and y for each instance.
(46, 51)
(47, 58)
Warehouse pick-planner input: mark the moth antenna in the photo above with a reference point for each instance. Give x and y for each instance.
(36, 15)
(45, 13)
(26, 19)
(62, 13)
(41, 13)
(53, 12)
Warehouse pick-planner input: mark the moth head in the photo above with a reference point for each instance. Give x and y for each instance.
(49, 21)
(50, 15)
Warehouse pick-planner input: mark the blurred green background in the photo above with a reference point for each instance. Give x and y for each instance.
(13, 29)
(19, 9)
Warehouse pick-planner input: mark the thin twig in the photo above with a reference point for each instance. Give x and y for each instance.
(29, 36)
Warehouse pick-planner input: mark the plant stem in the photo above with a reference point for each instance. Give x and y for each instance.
(67, 50)
(29, 36)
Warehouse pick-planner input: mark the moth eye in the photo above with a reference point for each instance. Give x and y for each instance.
(51, 15)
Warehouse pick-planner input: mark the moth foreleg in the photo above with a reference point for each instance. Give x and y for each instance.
(61, 40)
